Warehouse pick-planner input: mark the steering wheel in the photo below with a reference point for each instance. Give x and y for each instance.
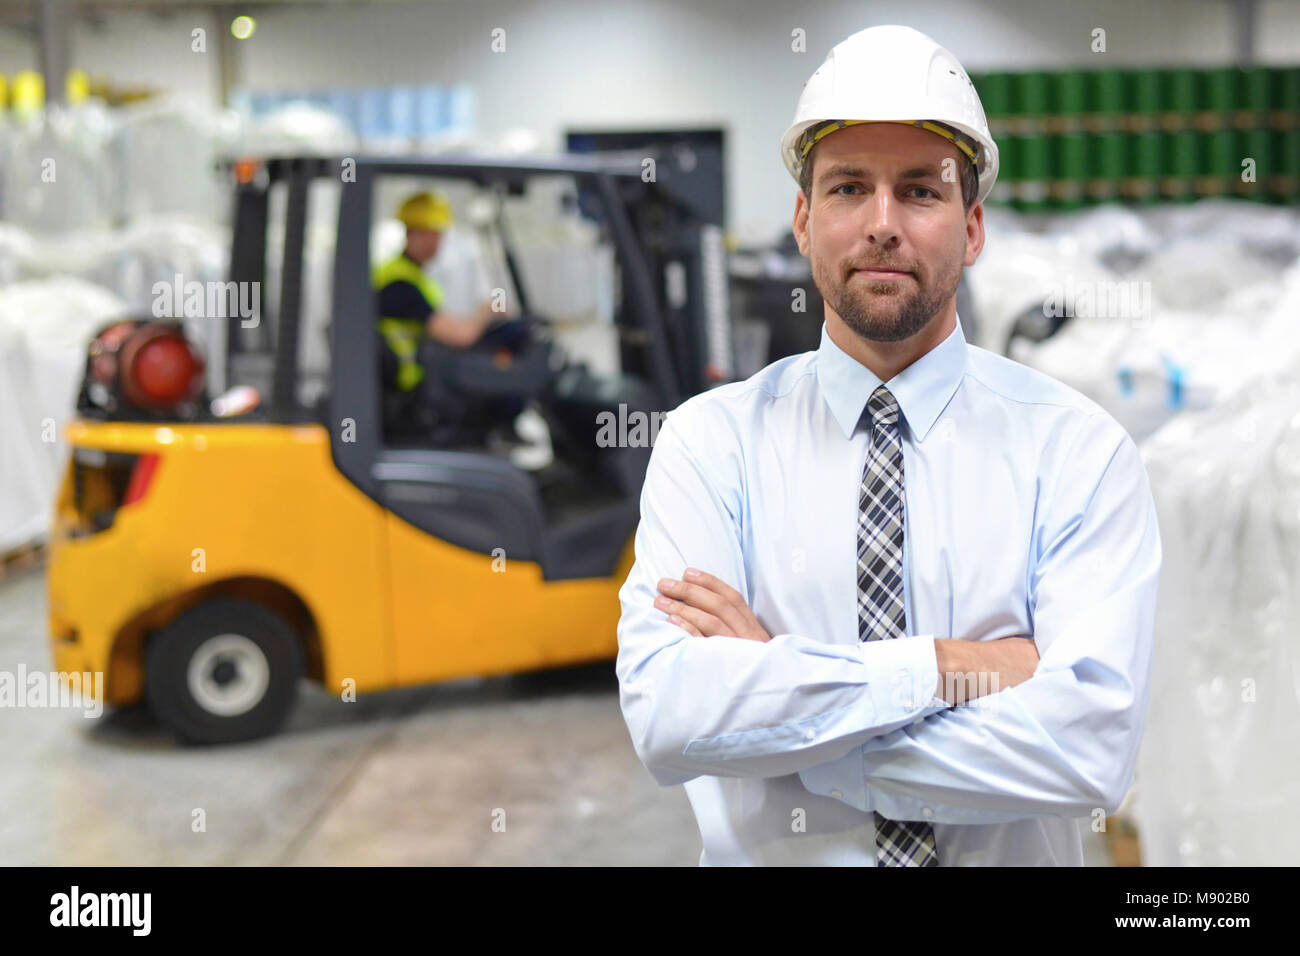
(535, 326)
(516, 331)
(534, 322)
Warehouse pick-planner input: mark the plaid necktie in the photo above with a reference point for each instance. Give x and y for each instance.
(881, 613)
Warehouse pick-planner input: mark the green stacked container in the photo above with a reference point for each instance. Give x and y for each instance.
(1107, 96)
(1257, 141)
(1287, 150)
(1109, 155)
(1183, 162)
(1256, 87)
(1145, 100)
(1070, 177)
(1257, 145)
(1222, 145)
(1107, 99)
(1072, 98)
(1145, 164)
(1031, 102)
(996, 96)
(1073, 137)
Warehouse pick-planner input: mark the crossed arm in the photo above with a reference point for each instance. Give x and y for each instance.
(706, 606)
(854, 722)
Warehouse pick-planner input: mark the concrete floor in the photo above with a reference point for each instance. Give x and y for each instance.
(405, 777)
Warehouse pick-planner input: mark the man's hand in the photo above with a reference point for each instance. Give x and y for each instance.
(704, 606)
(970, 669)
(457, 332)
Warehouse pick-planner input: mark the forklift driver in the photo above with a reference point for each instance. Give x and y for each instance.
(410, 304)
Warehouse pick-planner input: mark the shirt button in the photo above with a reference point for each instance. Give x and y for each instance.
(837, 794)
(927, 812)
(809, 735)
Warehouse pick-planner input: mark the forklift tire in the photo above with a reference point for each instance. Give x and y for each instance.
(224, 671)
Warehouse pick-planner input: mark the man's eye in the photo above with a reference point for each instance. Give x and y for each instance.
(925, 189)
(844, 186)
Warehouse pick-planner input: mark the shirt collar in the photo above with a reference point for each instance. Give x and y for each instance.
(922, 389)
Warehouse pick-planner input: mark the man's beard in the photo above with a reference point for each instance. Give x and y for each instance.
(887, 310)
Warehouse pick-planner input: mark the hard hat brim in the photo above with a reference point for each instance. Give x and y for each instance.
(986, 160)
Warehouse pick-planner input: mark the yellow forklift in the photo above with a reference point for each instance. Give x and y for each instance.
(205, 562)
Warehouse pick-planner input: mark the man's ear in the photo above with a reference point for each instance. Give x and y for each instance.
(974, 233)
(800, 223)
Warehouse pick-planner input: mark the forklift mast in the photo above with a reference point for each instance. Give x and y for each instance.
(675, 222)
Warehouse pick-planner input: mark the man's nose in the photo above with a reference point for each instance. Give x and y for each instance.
(881, 219)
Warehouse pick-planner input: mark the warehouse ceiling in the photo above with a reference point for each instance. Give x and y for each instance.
(22, 13)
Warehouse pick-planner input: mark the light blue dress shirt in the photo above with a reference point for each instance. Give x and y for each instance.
(1027, 512)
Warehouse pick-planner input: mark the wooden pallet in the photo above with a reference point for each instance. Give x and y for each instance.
(1122, 839)
(21, 560)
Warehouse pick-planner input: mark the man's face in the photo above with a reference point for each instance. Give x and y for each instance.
(422, 244)
(884, 228)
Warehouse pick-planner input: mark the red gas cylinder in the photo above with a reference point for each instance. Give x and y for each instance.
(143, 366)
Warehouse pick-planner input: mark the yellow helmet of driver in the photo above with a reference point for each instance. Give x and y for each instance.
(426, 211)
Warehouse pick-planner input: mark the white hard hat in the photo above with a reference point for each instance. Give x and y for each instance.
(892, 74)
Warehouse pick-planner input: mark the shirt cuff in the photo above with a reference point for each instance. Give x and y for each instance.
(907, 670)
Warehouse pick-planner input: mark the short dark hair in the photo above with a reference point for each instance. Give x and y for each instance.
(970, 181)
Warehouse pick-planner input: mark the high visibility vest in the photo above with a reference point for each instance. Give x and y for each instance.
(403, 334)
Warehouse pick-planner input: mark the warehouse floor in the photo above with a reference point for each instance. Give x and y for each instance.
(406, 777)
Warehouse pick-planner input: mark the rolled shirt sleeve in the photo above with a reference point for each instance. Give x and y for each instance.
(403, 300)
(1065, 742)
(727, 706)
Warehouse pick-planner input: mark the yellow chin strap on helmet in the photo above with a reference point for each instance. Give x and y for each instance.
(816, 134)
